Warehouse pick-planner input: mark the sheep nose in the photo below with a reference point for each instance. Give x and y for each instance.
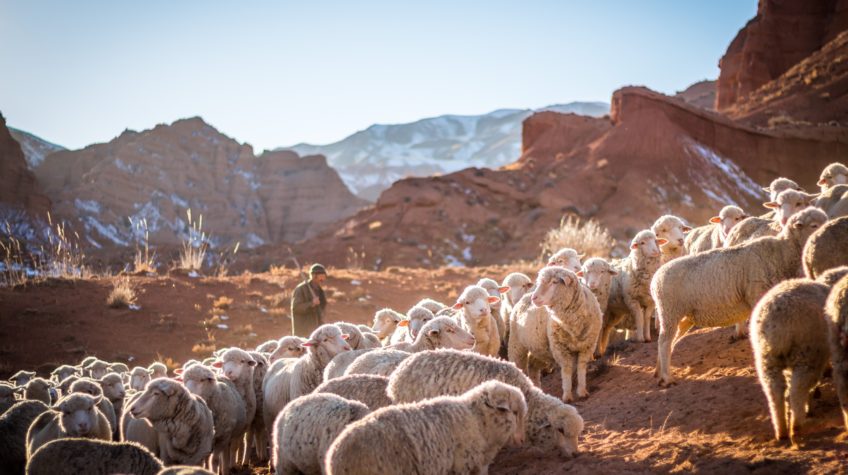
(783, 221)
(346, 348)
(83, 428)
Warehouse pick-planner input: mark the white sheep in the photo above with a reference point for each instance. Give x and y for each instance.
(826, 248)
(139, 377)
(38, 389)
(113, 389)
(229, 414)
(495, 290)
(8, 395)
(779, 184)
(307, 427)
(182, 420)
(97, 368)
(237, 365)
(369, 389)
(836, 310)
(453, 434)
(432, 305)
(381, 362)
(14, 425)
(476, 316)
(834, 174)
(268, 347)
(140, 431)
(21, 378)
(75, 415)
(338, 365)
(440, 332)
(574, 322)
(597, 275)
(386, 322)
(75, 456)
(63, 372)
(288, 347)
(721, 287)
(674, 231)
(789, 334)
(518, 284)
(257, 432)
(568, 258)
(92, 388)
(787, 203)
(407, 329)
(184, 470)
(289, 378)
(158, 370)
(356, 339)
(528, 344)
(713, 235)
(551, 424)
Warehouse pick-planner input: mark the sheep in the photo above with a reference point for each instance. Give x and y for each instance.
(528, 339)
(831, 276)
(229, 413)
(158, 370)
(184, 470)
(836, 318)
(371, 339)
(75, 415)
(14, 425)
(139, 377)
(21, 378)
(826, 248)
(788, 333)
(629, 291)
(721, 287)
(288, 347)
(65, 386)
(714, 234)
(787, 203)
(119, 368)
(551, 424)
(338, 365)
(381, 363)
(495, 290)
(113, 389)
(256, 428)
(431, 305)
(597, 275)
(356, 339)
(38, 389)
(97, 369)
(305, 429)
(94, 457)
(476, 316)
(834, 174)
(834, 201)
(566, 257)
(674, 231)
(440, 332)
(140, 431)
(182, 421)
(63, 372)
(518, 284)
(369, 389)
(574, 322)
(290, 378)
(780, 184)
(386, 322)
(416, 318)
(237, 365)
(7, 396)
(92, 387)
(454, 434)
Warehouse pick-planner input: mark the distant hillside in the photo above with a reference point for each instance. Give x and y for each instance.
(370, 160)
(35, 148)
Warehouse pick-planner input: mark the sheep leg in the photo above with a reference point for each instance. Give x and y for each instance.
(582, 360)
(648, 312)
(639, 318)
(565, 360)
(603, 341)
(668, 332)
(802, 382)
(741, 331)
(261, 446)
(774, 385)
(517, 353)
(534, 371)
(682, 329)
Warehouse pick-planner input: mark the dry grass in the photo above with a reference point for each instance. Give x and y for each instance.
(194, 246)
(355, 260)
(281, 299)
(122, 294)
(143, 261)
(585, 236)
(222, 302)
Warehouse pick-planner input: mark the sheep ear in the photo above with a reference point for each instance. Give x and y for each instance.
(403, 323)
(457, 306)
(503, 290)
(178, 371)
(345, 336)
(579, 273)
(309, 343)
(686, 229)
(771, 205)
(822, 182)
(767, 189)
(715, 219)
(662, 242)
(634, 246)
(253, 362)
(218, 364)
(613, 272)
(581, 256)
(494, 299)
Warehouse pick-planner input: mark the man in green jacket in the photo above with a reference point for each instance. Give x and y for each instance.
(308, 303)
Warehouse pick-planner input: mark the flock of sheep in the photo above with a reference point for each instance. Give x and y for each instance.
(442, 389)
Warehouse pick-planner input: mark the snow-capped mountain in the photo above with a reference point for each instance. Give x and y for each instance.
(370, 160)
(34, 148)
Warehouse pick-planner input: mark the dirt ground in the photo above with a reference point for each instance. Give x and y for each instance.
(714, 420)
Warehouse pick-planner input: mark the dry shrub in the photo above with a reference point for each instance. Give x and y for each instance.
(122, 294)
(281, 299)
(222, 303)
(194, 246)
(584, 236)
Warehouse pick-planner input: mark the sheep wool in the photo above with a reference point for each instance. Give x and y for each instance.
(94, 457)
(836, 309)
(826, 248)
(369, 389)
(14, 425)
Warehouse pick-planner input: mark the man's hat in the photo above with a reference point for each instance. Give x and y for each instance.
(317, 269)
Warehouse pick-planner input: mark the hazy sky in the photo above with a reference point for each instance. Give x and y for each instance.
(275, 73)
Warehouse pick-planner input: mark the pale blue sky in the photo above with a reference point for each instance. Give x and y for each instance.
(275, 73)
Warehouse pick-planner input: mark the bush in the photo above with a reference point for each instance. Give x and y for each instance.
(122, 295)
(587, 237)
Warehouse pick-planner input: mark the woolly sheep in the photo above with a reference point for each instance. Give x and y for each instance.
(386, 322)
(63, 372)
(7, 396)
(158, 370)
(256, 437)
(834, 174)
(714, 234)
(440, 332)
(268, 347)
(566, 257)
(140, 431)
(65, 386)
(369, 389)
(338, 365)
(574, 322)
(597, 275)
(788, 333)
(836, 311)
(476, 316)
(113, 389)
(431, 305)
(288, 347)
(834, 201)
(381, 362)
(21, 378)
(454, 434)
(518, 284)
(495, 290)
(826, 248)
(721, 287)
(14, 425)
(673, 230)
(92, 457)
(38, 389)
(355, 339)
(416, 318)
(92, 387)
(630, 289)
(119, 368)
(290, 378)
(183, 421)
(528, 335)
(787, 203)
(184, 470)
(305, 429)
(237, 365)
(831, 276)
(97, 369)
(139, 377)
(780, 184)
(551, 424)
(75, 415)
(371, 339)
(229, 413)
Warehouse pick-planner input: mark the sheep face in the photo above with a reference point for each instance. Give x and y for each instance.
(139, 378)
(235, 363)
(328, 339)
(7, 393)
(21, 378)
(553, 281)
(780, 184)
(385, 322)
(418, 317)
(113, 387)
(788, 203)
(155, 402)
(63, 372)
(78, 414)
(552, 426)
(475, 302)
(289, 347)
(647, 244)
(199, 380)
(568, 258)
(834, 174)
(449, 334)
(494, 290)
(729, 217)
(269, 346)
(97, 369)
(505, 407)
(596, 273)
(354, 335)
(158, 370)
(801, 225)
(672, 229)
(519, 284)
(38, 385)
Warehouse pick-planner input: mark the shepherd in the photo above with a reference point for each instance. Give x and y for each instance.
(308, 302)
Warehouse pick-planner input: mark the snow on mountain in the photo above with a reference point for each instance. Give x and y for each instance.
(34, 148)
(370, 160)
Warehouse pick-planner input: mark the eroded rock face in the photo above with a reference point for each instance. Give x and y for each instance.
(157, 174)
(783, 33)
(701, 94)
(19, 190)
